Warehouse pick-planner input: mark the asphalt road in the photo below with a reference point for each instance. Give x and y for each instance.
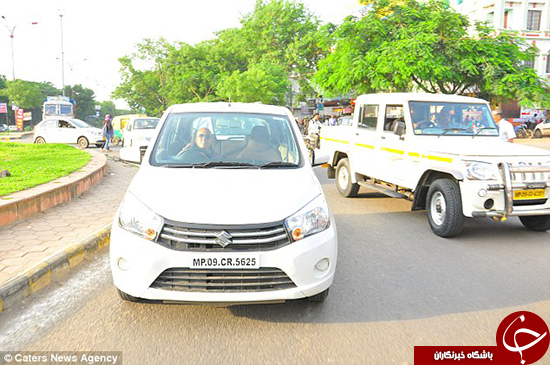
(397, 285)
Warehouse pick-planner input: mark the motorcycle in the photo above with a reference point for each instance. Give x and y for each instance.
(523, 131)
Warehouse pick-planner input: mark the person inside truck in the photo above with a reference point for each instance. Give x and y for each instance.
(447, 119)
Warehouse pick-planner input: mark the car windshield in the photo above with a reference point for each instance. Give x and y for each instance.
(146, 123)
(463, 119)
(80, 123)
(228, 140)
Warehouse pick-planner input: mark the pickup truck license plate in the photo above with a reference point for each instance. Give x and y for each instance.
(221, 261)
(529, 194)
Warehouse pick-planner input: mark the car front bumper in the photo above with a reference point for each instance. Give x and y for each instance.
(146, 260)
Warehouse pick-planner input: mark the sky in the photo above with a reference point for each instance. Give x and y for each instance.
(97, 33)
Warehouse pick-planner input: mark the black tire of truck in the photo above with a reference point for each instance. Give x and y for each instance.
(539, 223)
(319, 298)
(444, 207)
(343, 180)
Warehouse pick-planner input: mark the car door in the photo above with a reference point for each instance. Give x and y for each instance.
(48, 131)
(365, 140)
(66, 132)
(391, 152)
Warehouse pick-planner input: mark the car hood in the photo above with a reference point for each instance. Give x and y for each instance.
(487, 147)
(224, 196)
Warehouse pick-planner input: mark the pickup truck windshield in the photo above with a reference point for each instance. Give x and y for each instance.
(451, 119)
(222, 140)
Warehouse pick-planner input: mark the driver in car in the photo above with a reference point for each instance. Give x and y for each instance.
(202, 142)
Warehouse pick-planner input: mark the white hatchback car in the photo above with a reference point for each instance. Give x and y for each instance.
(67, 130)
(543, 129)
(138, 133)
(225, 208)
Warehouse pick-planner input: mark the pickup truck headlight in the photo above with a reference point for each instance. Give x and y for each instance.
(312, 218)
(137, 218)
(477, 170)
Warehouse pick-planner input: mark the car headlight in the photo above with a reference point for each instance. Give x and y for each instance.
(312, 218)
(137, 218)
(477, 170)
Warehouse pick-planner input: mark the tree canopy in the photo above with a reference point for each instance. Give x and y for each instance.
(278, 40)
(426, 46)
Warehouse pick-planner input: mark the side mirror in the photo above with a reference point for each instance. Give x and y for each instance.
(129, 127)
(398, 127)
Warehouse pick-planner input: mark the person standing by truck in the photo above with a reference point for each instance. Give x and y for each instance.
(108, 132)
(505, 128)
(314, 128)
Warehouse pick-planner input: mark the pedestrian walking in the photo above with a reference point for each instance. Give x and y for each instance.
(314, 128)
(332, 121)
(505, 128)
(108, 132)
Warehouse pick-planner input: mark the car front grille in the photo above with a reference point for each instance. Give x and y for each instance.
(192, 237)
(216, 280)
(526, 177)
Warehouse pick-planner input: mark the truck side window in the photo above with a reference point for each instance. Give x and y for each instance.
(368, 117)
(393, 113)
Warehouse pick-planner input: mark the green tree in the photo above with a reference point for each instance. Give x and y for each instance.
(24, 94)
(265, 82)
(427, 46)
(107, 107)
(84, 98)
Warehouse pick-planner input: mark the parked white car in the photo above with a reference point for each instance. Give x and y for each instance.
(225, 208)
(56, 130)
(137, 136)
(444, 153)
(542, 129)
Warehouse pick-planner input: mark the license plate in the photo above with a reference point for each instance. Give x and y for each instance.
(529, 194)
(221, 261)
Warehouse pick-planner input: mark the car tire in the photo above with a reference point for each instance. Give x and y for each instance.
(538, 223)
(538, 133)
(444, 207)
(126, 297)
(115, 141)
(319, 298)
(343, 179)
(331, 172)
(40, 140)
(83, 142)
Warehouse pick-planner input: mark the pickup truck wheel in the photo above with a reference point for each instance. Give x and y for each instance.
(83, 142)
(539, 223)
(343, 179)
(538, 133)
(445, 208)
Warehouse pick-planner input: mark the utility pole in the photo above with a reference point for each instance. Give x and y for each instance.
(62, 58)
(11, 30)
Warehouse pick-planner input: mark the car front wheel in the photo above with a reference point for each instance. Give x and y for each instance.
(538, 133)
(445, 208)
(539, 223)
(40, 140)
(83, 142)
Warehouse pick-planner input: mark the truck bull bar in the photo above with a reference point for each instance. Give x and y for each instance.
(509, 186)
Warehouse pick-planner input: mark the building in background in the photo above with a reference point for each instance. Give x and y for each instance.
(531, 19)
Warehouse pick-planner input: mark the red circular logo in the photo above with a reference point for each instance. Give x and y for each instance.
(524, 336)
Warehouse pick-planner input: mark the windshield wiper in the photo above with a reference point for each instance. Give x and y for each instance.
(177, 166)
(445, 130)
(482, 129)
(277, 165)
(223, 164)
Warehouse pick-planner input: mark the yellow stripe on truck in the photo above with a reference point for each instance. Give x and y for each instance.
(365, 145)
(391, 150)
(438, 158)
(336, 140)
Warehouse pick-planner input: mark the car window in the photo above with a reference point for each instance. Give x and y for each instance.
(80, 124)
(146, 123)
(255, 139)
(393, 114)
(65, 124)
(452, 118)
(49, 124)
(368, 116)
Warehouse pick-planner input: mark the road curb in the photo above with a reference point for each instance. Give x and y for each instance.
(15, 137)
(23, 204)
(52, 268)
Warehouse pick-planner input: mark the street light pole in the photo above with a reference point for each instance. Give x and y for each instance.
(11, 30)
(62, 58)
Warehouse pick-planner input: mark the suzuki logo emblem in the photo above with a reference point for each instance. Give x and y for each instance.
(223, 238)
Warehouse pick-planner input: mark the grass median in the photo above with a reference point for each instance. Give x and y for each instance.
(34, 164)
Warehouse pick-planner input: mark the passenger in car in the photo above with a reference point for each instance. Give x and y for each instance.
(202, 141)
(259, 147)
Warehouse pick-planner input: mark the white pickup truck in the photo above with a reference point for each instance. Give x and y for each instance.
(444, 153)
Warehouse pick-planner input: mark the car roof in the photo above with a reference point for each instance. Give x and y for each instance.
(228, 107)
(406, 97)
